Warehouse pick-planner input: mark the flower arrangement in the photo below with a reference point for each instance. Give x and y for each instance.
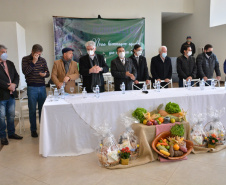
(125, 153)
(212, 139)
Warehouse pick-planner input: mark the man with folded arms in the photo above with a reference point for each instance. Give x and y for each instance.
(123, 70)
(65, 71)
(9, 80)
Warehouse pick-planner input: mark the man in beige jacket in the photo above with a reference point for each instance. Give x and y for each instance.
(65, 70)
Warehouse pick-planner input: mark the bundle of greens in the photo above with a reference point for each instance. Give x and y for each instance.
(172, 108)
(139, 114)
(177, 130)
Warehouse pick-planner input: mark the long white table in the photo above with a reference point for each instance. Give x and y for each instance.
(68, 126)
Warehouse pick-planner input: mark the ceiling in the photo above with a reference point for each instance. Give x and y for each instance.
(169, 16)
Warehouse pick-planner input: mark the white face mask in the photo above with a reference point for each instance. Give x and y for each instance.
(189, 53)
(139, 53)
(4, 56)
(90, 52)
(164, 55)
(121, 54)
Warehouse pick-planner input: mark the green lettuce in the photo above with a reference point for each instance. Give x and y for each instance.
(172, 108)
(139, 114)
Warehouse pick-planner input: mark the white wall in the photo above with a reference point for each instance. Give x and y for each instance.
(197, 26)
(13, 37)
(36, 17)
(217, 12)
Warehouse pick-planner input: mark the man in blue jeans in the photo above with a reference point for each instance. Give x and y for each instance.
(35, 70)
(9, 80)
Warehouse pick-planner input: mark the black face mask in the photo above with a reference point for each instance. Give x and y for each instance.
(209, 53)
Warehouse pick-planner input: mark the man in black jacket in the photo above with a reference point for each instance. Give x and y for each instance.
(207, 63)
(190, 43)
(91, 67)
(140, 64)
(9, 80)
(186, 66)
(123, 70)
(161, 68)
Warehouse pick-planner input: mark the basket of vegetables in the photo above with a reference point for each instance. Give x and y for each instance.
(172, 146)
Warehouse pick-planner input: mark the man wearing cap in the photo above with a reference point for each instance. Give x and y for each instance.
(35, 70)
(9, 80)
(190, 43)
(91, 67)
(65, 70)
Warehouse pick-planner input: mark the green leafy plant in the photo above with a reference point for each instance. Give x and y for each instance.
(172, 108)
(177, 130)
(125, 153)
(139, 114)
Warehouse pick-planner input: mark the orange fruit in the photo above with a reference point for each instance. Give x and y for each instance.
(176, 147)
(161, 119)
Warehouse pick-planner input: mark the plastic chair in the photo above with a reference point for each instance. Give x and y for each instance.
(141, 82)
(170, 82)
(193, 80)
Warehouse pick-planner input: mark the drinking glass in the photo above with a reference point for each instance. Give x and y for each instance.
(154, 85)
(94, 91)
(72, 90)
(51, 95)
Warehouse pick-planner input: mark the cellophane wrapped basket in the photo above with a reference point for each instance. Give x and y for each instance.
(128, 138)
(107, 151)
(215, 126)
(197, 131)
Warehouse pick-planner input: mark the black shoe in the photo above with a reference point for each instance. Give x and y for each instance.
(34, 134)
(4, 141)
(15, 136)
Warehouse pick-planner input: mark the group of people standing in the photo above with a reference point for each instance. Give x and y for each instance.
(91, 67)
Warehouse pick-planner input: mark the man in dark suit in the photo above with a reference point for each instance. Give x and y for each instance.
(123, 70)
(207, 63)
(9, 80)
(140, 64)
(161, 68)
(91, 67)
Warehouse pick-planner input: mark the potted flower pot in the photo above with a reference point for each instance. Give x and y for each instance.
(211, 146)
(124, 161)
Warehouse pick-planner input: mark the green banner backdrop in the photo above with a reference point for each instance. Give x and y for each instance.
(107, 33)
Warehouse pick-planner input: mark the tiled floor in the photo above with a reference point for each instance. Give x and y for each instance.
(21, 164)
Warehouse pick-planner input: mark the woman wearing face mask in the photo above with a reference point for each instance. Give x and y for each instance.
(186, 66)
(140, 64)
(123, 70)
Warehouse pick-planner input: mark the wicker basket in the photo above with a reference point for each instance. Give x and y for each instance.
(104, 162)
(189, 145)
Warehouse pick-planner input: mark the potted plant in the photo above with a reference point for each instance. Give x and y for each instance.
(125, 155)
(212, 140)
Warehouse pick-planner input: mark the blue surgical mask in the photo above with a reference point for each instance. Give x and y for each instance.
(164, 55)
(4, 56)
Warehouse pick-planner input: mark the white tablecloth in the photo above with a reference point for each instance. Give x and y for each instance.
(67, 126)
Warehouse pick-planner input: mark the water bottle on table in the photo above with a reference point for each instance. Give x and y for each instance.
(189, 84)
(144, 87)
(212, 84)
(97, 91)
(202, 84)
(158, 86)
(123, 88)
(62, 93)
(56, 94)
(84, 93)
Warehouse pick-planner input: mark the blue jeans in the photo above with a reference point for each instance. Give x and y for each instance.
(7, 110)
(35, 95)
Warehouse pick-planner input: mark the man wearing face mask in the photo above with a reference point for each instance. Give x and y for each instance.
(91, 67)
(186, 66)
(207, 63)
(123, 70)
(190, 43)
(140, 64)
(161, 68)
(9, 80)
(35, 69)
(65, 71)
